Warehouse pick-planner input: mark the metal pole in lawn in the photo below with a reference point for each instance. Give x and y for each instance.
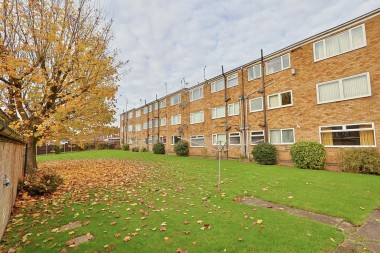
(220, 149)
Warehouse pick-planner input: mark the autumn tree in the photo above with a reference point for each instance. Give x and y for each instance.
(57, 74)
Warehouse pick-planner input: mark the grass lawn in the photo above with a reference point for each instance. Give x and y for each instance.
(168, 192)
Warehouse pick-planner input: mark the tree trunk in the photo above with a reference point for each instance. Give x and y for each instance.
(31, 160)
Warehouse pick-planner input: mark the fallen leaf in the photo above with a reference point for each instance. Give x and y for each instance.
(290, 197)
(127, 238)
(240, 239)
(166, 238)
(199, 221)
(332, 239)
(162, 228)
(186, 222)
(113, 223)
(207, 226)
(259, 221)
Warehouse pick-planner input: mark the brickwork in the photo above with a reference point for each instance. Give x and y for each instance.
(305, 116)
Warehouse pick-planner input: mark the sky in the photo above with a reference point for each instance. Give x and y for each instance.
(169, 42)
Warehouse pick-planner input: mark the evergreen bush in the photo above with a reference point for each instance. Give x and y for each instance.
(265, 153)
(181, 148)
(361, 160)
(159, 148)
(308, 155)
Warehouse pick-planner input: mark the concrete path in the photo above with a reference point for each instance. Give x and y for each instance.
(365, 238)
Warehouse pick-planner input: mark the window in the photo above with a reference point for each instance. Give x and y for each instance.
(138, 127)
(278, 64)
(278, 100)
(138, 113)
(155, 122)
(145, 125)
(175, 99)
(340, 43)
(137, 142)
(281, 136)
(347, 88)
(176, 119)
(145, 110)
(218, 112)
(175, 139)
(163, 121)
(219, 139)
(163, 103)
(156, 106)
(150, 140)
(254, 72)
(352, 135)
(130, 128)
(232, 80)
(196, 93)
(217, 86)
(197, 141)
(257, 137)
(196, 117)
(130, 115)
(130, 141)
(234, 138)
(233, 109)
(150, 124)
(163, 139)
(256, 104)
(150, 107)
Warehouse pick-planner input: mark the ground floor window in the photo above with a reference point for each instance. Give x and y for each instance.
(257, 137)
(163, 139)
(175, 139)
(130, 141)
(219, 139)
(234, 138)
(281, 136)
(197, 141)
(137, 142)
(348, 135)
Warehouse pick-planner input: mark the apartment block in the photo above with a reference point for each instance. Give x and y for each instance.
(325, 88)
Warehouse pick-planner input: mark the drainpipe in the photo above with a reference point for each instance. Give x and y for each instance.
(226, 110)
(158, 118)
(242, 114)
(25, 158)
(264, 98)
(246, 127)
(147, 127)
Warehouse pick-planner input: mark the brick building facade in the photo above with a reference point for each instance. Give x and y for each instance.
(325, 88)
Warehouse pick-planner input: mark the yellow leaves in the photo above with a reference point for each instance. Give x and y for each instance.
(127, 238)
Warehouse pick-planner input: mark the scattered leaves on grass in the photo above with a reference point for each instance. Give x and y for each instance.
(127, 238)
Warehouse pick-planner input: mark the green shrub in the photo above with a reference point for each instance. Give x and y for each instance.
(101, 145)
(57, 149)
(159, 148)
(135, 149)
(126, 147)
(181, 148)
(308, 155)
(41, 183)
(143, 149)
(361, 160)
(264, 153)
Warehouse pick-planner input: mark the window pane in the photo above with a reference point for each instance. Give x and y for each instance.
(256, 104)
(329, 91)
(234, 138)
(232, 80)
(319, 53)
(275, 136)
(273, 101)
(274, 65)
(357, 37)
(250, 74)
(337, 44)
(355, 86)
(287, 136)
(286, 98)
(257, 71)
(285, 61)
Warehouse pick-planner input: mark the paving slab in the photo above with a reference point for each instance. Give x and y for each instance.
(71, 225)
(79, 240)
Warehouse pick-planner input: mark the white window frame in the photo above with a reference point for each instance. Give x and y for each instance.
(281, 130)
(233, 106)
(234, 135)
(191, 93)
(280, 100)
(341, 92)
(282, 64)
(213, 112)
(145, 110)
(138, 127)
(174, 119)
(232, 77)
(352, 48)
(145, 125)
(192, 117)
(252, 68)
(156, 106)
(150, 124)
(163, 103)
(259, 135)
(130, 115)
(262, 104)
(130, 128)
(197, 137)
(150, 108)
(173, 139)
(172, 98)
(163, 121)
(138, 113)
(344, 129)
(214, 87)
(216, 135)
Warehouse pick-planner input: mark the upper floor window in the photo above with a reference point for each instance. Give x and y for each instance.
(256, 104)
(138, 127)
(217, 86)
(233, 109)
(150, 108)
(163, 122)
(341, 43)
(176, 119)
(175, 99)
(196, 117)
(218, 112)
(130, 128)
(278, 64)
(138, 113)
(254, 72)
(232, 80)
(130, 115)
(352, 135)
(145, 110)
(145, 125)
(163, 103)
(156, 106)
(278, 100)
(196, 93)
(342, 89)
